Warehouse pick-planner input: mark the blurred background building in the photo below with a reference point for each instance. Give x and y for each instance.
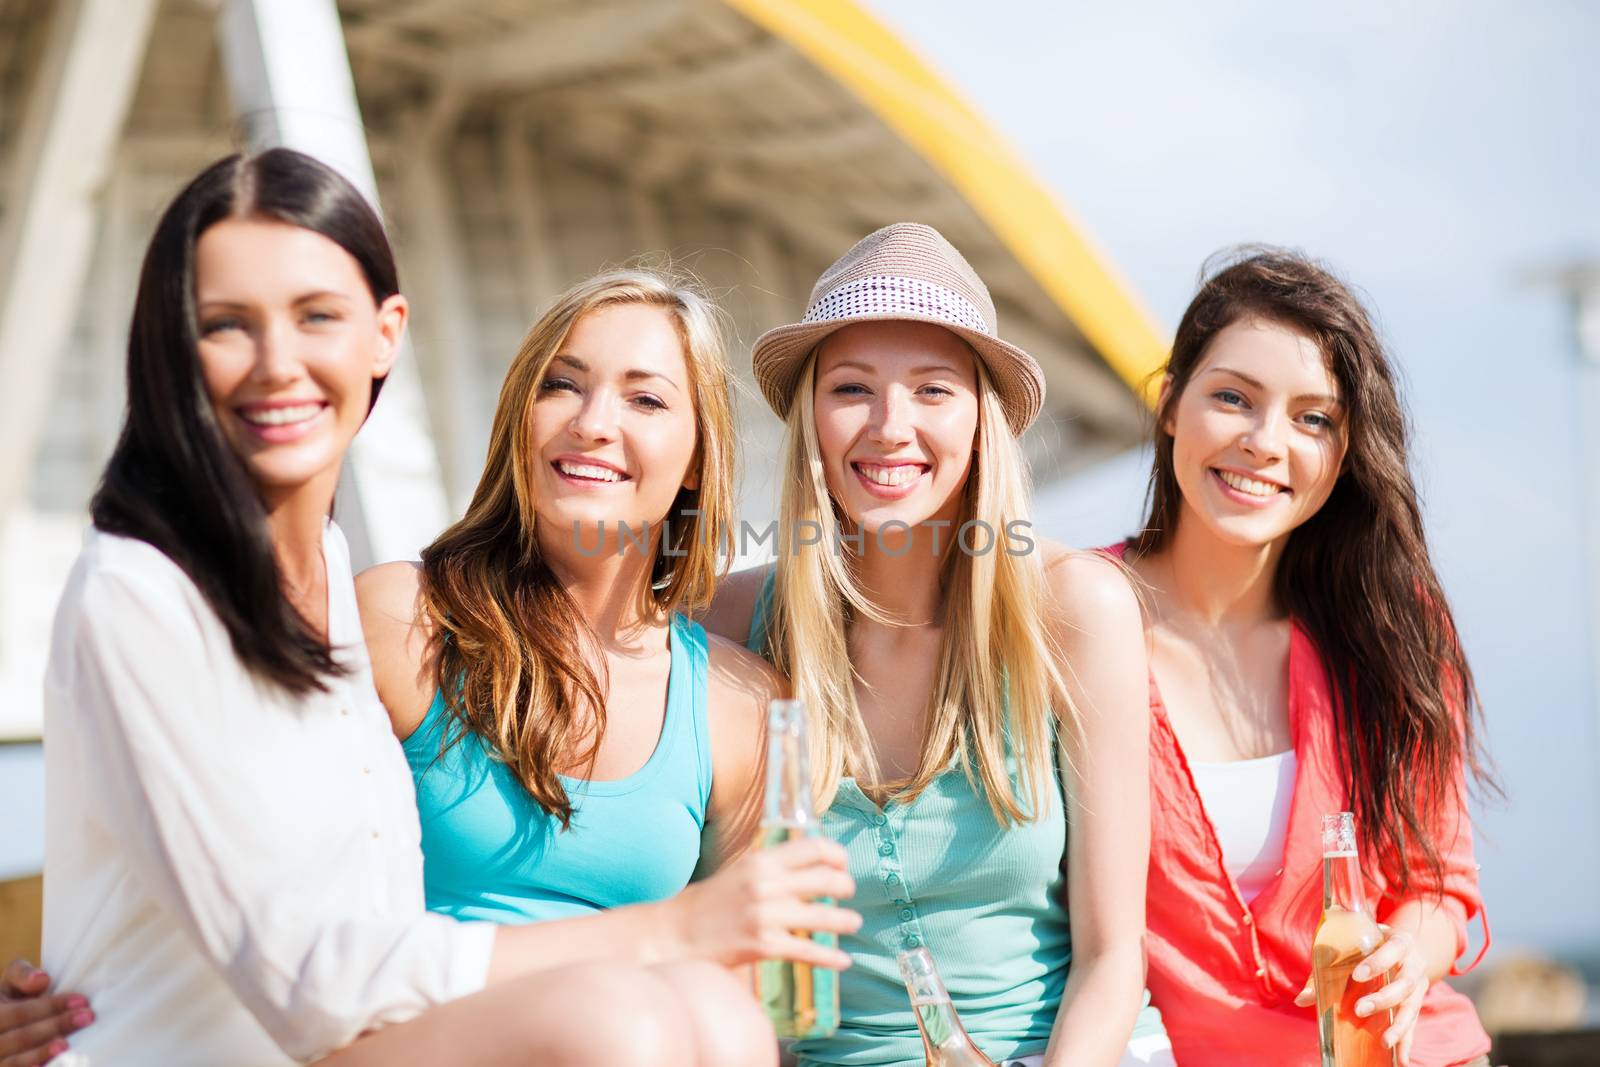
(1434, 154)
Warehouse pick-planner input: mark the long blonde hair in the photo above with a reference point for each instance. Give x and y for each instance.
(505, 632)
(997, 690)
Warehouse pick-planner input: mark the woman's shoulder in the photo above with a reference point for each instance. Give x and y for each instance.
(1087, 583)
(738, 678)
(734, 604)
(126, 572)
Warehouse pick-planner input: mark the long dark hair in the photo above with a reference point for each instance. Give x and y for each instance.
(1356, 575)
(172, 480)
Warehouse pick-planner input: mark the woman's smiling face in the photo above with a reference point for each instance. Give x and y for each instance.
(613, 424)
(896, 412)
(1259, 433)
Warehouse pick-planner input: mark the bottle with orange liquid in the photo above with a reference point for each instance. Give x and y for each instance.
(1347, 934)
(799, 999)
(944, 1040)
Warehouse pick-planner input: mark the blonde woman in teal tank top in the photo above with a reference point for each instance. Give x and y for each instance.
(578, 745)
(970, 700)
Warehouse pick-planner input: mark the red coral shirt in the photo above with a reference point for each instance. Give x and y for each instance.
(1224, 973)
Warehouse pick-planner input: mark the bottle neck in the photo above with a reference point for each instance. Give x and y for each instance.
(788, 781)
(1341, 882)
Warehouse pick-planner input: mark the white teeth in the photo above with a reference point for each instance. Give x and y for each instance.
(584, 470)
(281, 416)
(899, 474)
(1250, 485)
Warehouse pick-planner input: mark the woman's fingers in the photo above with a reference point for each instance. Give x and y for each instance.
(1404, 1026)
(22, 979)
(804, 950)
(1307, 995)
(29, 1024)
(809, 851)
(818, 918)
(1390, 996)
(1386, 956)
(816, 881)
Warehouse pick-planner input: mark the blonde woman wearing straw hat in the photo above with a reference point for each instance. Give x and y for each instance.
(973, 692)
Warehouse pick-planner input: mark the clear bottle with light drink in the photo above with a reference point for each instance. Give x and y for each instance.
(1347, 934)
(944, 1040)
(800, 1000)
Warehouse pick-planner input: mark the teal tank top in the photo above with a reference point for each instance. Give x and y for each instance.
(491, 853)
(986, 901)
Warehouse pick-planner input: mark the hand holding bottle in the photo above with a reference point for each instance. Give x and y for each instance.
(1400, 957)
(749, 911)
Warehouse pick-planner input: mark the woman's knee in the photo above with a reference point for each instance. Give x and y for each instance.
(629, 1016)
(728, 1026)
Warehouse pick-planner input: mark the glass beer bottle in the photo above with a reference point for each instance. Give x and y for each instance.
(1346, 935)
(944, 1040)
(799, 999)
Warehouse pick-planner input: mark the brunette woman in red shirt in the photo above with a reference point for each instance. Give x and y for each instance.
(1303, 661)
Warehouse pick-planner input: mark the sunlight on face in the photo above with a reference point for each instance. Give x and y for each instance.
(613, 425)
(1259, 433)
(290, 342)
(896, 409)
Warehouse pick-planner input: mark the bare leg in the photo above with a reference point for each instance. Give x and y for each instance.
(729, 1027)
(569, 1017)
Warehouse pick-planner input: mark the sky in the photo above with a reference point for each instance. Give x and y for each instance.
(1444, 157)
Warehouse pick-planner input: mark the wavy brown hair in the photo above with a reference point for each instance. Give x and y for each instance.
(515, 658)
(1356, 575)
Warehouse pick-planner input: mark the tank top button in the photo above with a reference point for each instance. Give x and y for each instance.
(886, 849)
(879, 820)
(906, 913)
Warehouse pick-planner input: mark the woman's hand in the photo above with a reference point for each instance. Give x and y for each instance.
(760, 906)
(34, 1027)
(1401, 954)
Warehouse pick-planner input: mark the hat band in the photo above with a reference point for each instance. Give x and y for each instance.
(886, 294)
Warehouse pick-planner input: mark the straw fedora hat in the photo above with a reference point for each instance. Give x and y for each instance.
(905, 272)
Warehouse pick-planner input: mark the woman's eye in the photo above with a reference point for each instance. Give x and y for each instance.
(650, 403)
(320, 317)
(850, 389)
(936, 391)
(1229, 396)
(1318, 420)
(557, 385)
(214, 326)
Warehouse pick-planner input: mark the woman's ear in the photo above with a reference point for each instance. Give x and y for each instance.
(392, 315)
(1161, 403)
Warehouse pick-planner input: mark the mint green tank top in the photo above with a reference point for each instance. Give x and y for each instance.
(987, 901)
(491, 853)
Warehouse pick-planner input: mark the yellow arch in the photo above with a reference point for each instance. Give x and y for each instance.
(866, 57)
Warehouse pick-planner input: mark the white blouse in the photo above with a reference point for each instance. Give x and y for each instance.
(1247, 802)
(232, 874)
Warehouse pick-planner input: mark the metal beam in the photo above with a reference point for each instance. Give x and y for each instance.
(525, 195)
(446, 325)
(65, 146)
(291, 84)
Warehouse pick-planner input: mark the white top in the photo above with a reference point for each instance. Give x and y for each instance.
(1248, 804)
(232, 875)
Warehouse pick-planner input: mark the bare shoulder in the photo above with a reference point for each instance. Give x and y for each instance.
(1088, 586)
(734, 603)
(740, 681)
(389, 591)
(398, 637)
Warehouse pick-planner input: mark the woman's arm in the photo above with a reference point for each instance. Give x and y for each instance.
(1097, 623)
(399, 642)
(741, 686)
(724, 921)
